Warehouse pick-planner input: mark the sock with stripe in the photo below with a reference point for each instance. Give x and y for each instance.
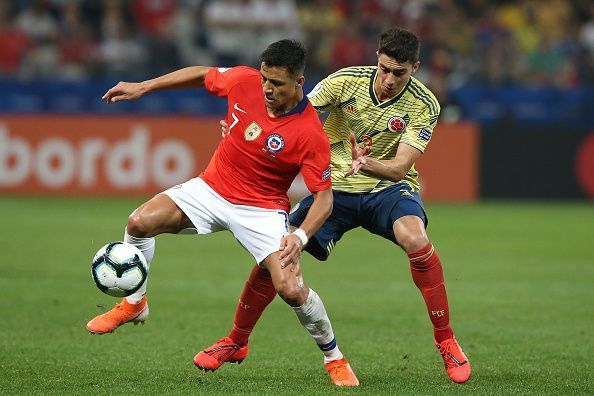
(314, 318)
(427, 274)
(257, 293)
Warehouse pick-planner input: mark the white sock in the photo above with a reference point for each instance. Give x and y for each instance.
(147, 247)
(314, 318)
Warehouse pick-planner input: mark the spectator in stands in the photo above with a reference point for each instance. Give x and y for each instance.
(121, 54)
(78, 48)
(191, 35)
(228, 30)
(349, 48)
(13, 42)
(38, 22)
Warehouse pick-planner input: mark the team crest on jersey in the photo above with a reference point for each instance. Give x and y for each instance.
(275, 143)
(396, 124)
(252, 131)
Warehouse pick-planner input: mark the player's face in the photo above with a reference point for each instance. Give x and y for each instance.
(281, 89)
(392, 76)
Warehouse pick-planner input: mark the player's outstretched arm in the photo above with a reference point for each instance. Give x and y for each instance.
(188, 77)
(394, 169)
(292, 244)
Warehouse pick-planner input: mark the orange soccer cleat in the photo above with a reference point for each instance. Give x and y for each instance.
(456, 363)
(341, 373)
(123, 312)
(224, 350)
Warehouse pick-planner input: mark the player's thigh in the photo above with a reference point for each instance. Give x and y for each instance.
(157, 216)
(382, 210)
(258, 230)
(205, 210)
(343, 218)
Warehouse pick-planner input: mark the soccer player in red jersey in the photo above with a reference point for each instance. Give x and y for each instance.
(274, 133)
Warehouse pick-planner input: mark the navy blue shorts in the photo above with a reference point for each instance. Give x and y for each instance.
(376, 212)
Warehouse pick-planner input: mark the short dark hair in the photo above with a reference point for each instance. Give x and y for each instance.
(400, 44)
(288, 53)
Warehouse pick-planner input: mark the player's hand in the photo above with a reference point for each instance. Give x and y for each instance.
(358, 151)
(290, 248)
(124, 91)
(356, 166)
(224, 128)
(359, 154)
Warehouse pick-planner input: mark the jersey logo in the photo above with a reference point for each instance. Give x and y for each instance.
(405, 193)
(349, 106)
(252, 131)
(236, 107)
(396, 124)
(223, 69)
(275, 143)
(326, 174)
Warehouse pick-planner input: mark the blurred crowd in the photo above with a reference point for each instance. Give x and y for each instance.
(463, 41)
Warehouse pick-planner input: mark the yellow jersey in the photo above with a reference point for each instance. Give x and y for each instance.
(409, 117)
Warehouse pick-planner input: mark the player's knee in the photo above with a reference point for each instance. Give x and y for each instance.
(139, 225)
(413, 242)
(291, 293)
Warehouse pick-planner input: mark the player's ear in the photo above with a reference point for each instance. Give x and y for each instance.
(415, 66)
(300, 81)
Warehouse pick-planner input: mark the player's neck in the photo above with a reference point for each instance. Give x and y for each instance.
(277, 112)
(381, 96)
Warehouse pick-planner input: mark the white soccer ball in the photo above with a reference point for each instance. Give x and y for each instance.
(119, 269)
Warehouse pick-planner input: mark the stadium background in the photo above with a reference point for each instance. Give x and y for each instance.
(509, 174)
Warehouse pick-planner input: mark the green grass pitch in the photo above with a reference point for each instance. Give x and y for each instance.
(520, 278)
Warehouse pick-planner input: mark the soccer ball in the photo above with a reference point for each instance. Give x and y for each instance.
(119, 269)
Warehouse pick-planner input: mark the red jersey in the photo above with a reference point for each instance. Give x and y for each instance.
(258, 160)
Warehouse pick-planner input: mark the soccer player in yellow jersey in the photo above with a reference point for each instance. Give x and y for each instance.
(381, 120)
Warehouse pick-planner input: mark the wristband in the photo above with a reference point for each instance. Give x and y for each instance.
(302, 235)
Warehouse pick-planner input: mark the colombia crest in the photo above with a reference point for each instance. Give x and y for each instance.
(396, 124)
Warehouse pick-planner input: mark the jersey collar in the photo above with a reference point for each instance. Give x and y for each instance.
(300, 108)
(388, 102)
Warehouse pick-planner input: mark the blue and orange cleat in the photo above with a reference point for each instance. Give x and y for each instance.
(224, 350)
(456, 363)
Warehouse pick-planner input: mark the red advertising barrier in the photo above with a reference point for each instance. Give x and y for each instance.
(100, 155)
(450, 166)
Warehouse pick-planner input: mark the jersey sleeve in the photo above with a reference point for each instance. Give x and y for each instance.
(418, 132)
(220, 80)
(315, 164)
(325, 94)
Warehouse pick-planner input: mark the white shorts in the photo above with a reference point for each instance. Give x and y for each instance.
(258, 230)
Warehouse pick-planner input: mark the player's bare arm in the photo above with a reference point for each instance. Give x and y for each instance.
(291, 245)
(188, 77)
(394, 169)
